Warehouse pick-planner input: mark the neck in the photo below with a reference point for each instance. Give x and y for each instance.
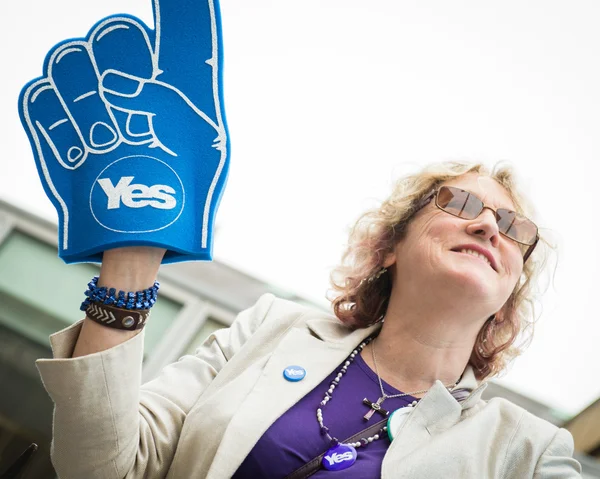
(423, 341)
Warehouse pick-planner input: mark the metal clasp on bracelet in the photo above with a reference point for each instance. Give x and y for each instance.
(128, 321)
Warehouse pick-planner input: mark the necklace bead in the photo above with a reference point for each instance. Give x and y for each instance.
(329, 393)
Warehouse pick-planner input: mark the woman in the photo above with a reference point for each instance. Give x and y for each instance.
(434, 288)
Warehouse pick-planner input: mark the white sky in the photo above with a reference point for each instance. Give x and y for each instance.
(328, 102)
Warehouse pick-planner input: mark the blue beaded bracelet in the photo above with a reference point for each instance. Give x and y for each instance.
(127, 300)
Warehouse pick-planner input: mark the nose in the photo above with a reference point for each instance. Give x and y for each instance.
(485, 226)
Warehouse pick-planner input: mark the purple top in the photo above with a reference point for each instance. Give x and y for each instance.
(294, 439)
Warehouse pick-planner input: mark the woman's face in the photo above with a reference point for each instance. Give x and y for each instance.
(431, 252)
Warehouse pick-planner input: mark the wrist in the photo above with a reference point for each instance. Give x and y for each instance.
(131, 268)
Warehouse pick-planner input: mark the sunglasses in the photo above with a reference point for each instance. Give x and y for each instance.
(466, 205)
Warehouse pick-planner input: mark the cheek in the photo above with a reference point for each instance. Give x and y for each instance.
(429, 239)
(424, 235)
(513, 263)
(439, 229)
(427, 235)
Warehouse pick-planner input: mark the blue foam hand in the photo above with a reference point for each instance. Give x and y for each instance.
(129, 135)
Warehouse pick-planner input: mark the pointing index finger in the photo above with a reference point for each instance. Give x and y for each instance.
(188, 45)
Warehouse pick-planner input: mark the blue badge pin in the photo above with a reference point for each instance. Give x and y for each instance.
(294, 373)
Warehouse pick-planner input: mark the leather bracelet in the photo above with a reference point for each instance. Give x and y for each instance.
(117, 318)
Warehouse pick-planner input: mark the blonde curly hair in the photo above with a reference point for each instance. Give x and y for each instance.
(360, 303)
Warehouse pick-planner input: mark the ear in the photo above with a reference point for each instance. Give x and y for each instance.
(500, 315)
(390, 259)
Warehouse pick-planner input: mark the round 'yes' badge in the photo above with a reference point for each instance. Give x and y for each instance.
(294, 373)
(137, 194)
(339, 457)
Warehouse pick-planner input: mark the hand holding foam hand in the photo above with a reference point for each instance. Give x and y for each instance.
(129, 136)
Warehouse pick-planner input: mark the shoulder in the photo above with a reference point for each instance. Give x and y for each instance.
(546, 447)
(531, 425)
(267, 320)
(272, 309)
(550, 438)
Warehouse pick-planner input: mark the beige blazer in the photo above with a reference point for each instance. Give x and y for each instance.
(203, 414)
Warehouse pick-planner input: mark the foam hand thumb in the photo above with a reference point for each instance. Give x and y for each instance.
(163, 103)
(140, 95)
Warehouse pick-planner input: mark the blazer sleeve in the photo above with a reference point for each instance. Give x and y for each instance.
(105, 424)
(557, 461)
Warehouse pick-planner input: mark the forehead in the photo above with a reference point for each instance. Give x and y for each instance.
(489, 190)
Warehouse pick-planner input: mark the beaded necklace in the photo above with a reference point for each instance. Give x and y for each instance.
(341, 456)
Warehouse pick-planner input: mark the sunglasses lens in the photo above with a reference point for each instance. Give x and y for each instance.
(516, 226)
(459, 202)
(465, 204)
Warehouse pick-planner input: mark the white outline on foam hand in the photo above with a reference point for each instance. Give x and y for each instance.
(220, 142)
(90, 147)
(97, 35)
(40, 155)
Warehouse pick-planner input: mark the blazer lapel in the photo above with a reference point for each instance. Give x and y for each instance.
(437, 411)
(319, 346)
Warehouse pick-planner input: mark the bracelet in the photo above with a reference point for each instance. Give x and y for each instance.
(140, 300)
(117, 318)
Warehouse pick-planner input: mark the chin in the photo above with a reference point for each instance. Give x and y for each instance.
(474, 280)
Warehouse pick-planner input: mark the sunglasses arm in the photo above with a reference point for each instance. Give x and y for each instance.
(530, 249)
(426, 200)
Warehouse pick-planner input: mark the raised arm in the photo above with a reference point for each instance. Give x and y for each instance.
(106, 425)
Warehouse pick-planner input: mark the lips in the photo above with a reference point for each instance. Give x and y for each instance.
(478, 249)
